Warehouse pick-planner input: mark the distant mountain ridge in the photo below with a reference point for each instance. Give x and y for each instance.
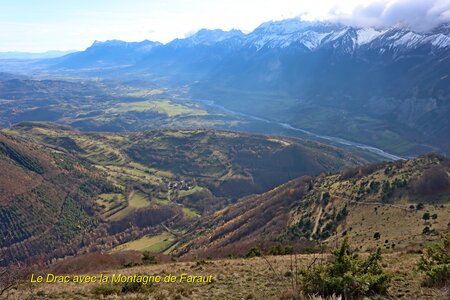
(103, 53)
(385, 87)
(208, 37)
(34, 55)
(313, 35)
(294, 32)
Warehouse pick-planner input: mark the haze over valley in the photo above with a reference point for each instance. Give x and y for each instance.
(386, 88)
(246, 155)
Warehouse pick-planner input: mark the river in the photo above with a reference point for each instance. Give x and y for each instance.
(337, 140)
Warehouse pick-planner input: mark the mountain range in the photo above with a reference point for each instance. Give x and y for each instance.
(386, 87)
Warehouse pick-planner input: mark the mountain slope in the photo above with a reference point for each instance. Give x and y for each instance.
(107, 54)
(380, 205)
(64, 192)
(46, 200)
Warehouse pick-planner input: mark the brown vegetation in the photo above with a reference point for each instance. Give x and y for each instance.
(234, 279)
(433, 181)
(253, 221)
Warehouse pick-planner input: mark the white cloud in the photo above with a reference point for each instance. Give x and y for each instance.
(420, 15)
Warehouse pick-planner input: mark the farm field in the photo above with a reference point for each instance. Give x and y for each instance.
(156, 244)
(136, 200)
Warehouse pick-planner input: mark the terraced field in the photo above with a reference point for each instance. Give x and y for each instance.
(162, 106)
(156, 244)
(135, 201)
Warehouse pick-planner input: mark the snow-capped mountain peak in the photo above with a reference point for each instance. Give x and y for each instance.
(367, 35)
(207, 37)
(314, 35)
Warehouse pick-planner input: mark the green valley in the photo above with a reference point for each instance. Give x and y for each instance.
(200, 170)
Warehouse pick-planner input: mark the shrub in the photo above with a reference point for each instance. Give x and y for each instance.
(342, 214)
(388, 171)
(374, 186)
(134, 287)
(377, 235)
(426, 216)
(106, 290)
(435, 262)
(387, 190)
(325, 198)
(279, 249)
(148, 258)
(347, 276)
(253, 252)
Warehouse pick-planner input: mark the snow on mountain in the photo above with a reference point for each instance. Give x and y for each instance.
(282, 34)
(213, 36)
(367, 35)
(141, 47)
(440, 40)
(313, 35)
(303, 34)
(109, 43)
(398, 38)
(312, 39)
(207, 37)
(408, 39)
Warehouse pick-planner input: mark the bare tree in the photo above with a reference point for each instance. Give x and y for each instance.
(9, 277)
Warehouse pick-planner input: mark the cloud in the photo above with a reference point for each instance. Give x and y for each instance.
(419, 15)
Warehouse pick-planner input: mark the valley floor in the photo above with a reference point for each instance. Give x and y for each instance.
(254, 278)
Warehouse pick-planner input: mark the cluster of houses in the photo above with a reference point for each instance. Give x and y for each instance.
(183, 185)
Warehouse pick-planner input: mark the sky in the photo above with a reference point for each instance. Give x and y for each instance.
(42, 25)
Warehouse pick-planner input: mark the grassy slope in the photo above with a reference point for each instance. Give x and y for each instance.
(156, 243)
(240, 279)
(136, 200)
(300, 211)
(389, 209)
(161, 106)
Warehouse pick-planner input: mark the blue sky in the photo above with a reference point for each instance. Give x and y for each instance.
(40, 25)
